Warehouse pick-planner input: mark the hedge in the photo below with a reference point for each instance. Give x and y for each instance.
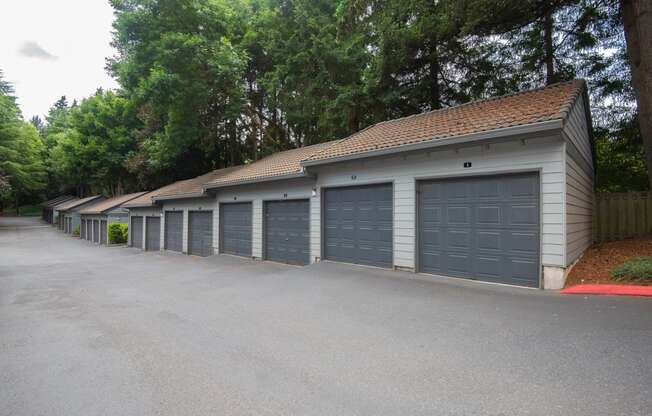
(118, 233)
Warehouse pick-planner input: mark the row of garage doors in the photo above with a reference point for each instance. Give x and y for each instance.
(484, 228)
(93, 230)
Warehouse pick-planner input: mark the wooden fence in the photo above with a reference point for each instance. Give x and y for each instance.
(622, 215)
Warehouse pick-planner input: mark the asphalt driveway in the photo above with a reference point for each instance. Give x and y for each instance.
(87, 330)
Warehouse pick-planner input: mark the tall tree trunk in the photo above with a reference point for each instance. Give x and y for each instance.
(435, 92)
(548, 46)
(637, 21)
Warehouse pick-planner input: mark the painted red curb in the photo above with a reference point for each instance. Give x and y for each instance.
(612, 290)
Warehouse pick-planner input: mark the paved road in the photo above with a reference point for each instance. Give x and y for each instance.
(88, 330)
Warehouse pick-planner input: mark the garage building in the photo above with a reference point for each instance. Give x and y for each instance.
(140, 209)
(96, 218)
(188, 215)
(70, 219)
(47, 207)
(263, 209)
(498, 190)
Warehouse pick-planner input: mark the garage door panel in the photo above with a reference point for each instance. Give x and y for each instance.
(137, 231)
(489, 189)
(173, 233)
(459, 239)
(489, 214)
(153, 231)
(287, 231)
(236, 229)
(200, 233)
(458, 263)
(489, 267)
(522, 269)
(524, 243)
(358, 224)
(522, 187)
(96, 231)
(489, 240)
(489, 230)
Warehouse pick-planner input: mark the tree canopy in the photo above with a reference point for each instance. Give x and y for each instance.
(207, 84)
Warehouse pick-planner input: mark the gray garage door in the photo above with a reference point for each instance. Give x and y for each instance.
(103, 232)
(200, 233)
(82, 230)
(89, 229)
(484, 228)
(153, 231)
(235, 229)
(287, 231)
(136, 232)
(96, 231)
(358, 225)
(174, 231)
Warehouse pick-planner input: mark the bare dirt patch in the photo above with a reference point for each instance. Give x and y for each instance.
(599, 261)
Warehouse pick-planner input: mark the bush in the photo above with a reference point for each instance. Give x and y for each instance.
(638, 268)
(75, 232)
(118, 233)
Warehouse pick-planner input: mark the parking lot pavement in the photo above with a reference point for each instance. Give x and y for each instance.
(89, 330)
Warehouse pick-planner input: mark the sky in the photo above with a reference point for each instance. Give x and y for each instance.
(50, 48)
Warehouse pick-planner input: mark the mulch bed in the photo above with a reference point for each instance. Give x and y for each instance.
(598, 262)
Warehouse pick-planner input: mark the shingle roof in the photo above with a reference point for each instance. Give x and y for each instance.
(77, 202)
(110, 203)
(144, 200)
(275, 166)
(56, 201)
(58, 205)
(543, 104)
(186, 188)
(192, 187)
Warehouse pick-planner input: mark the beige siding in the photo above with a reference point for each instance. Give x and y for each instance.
(579, 184)
(544, 155)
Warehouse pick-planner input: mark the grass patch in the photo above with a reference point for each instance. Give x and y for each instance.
(636, 269)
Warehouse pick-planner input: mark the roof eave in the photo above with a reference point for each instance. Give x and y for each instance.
(139, 206)
(549, 125)
(179, 196)
(295, 175)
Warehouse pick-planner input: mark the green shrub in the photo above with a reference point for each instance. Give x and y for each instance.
(638, 268)
(75, 232)
(118, 233)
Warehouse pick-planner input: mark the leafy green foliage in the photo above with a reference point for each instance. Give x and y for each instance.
(93, 143)
(118, 233)
(636, 269)
(22, 171)
(75, 232)
(620, 158)
(212, 83)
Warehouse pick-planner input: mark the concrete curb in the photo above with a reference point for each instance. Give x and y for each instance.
(609, 290)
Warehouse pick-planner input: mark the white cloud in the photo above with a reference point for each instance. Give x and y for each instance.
(77, 33)
(31, 49)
